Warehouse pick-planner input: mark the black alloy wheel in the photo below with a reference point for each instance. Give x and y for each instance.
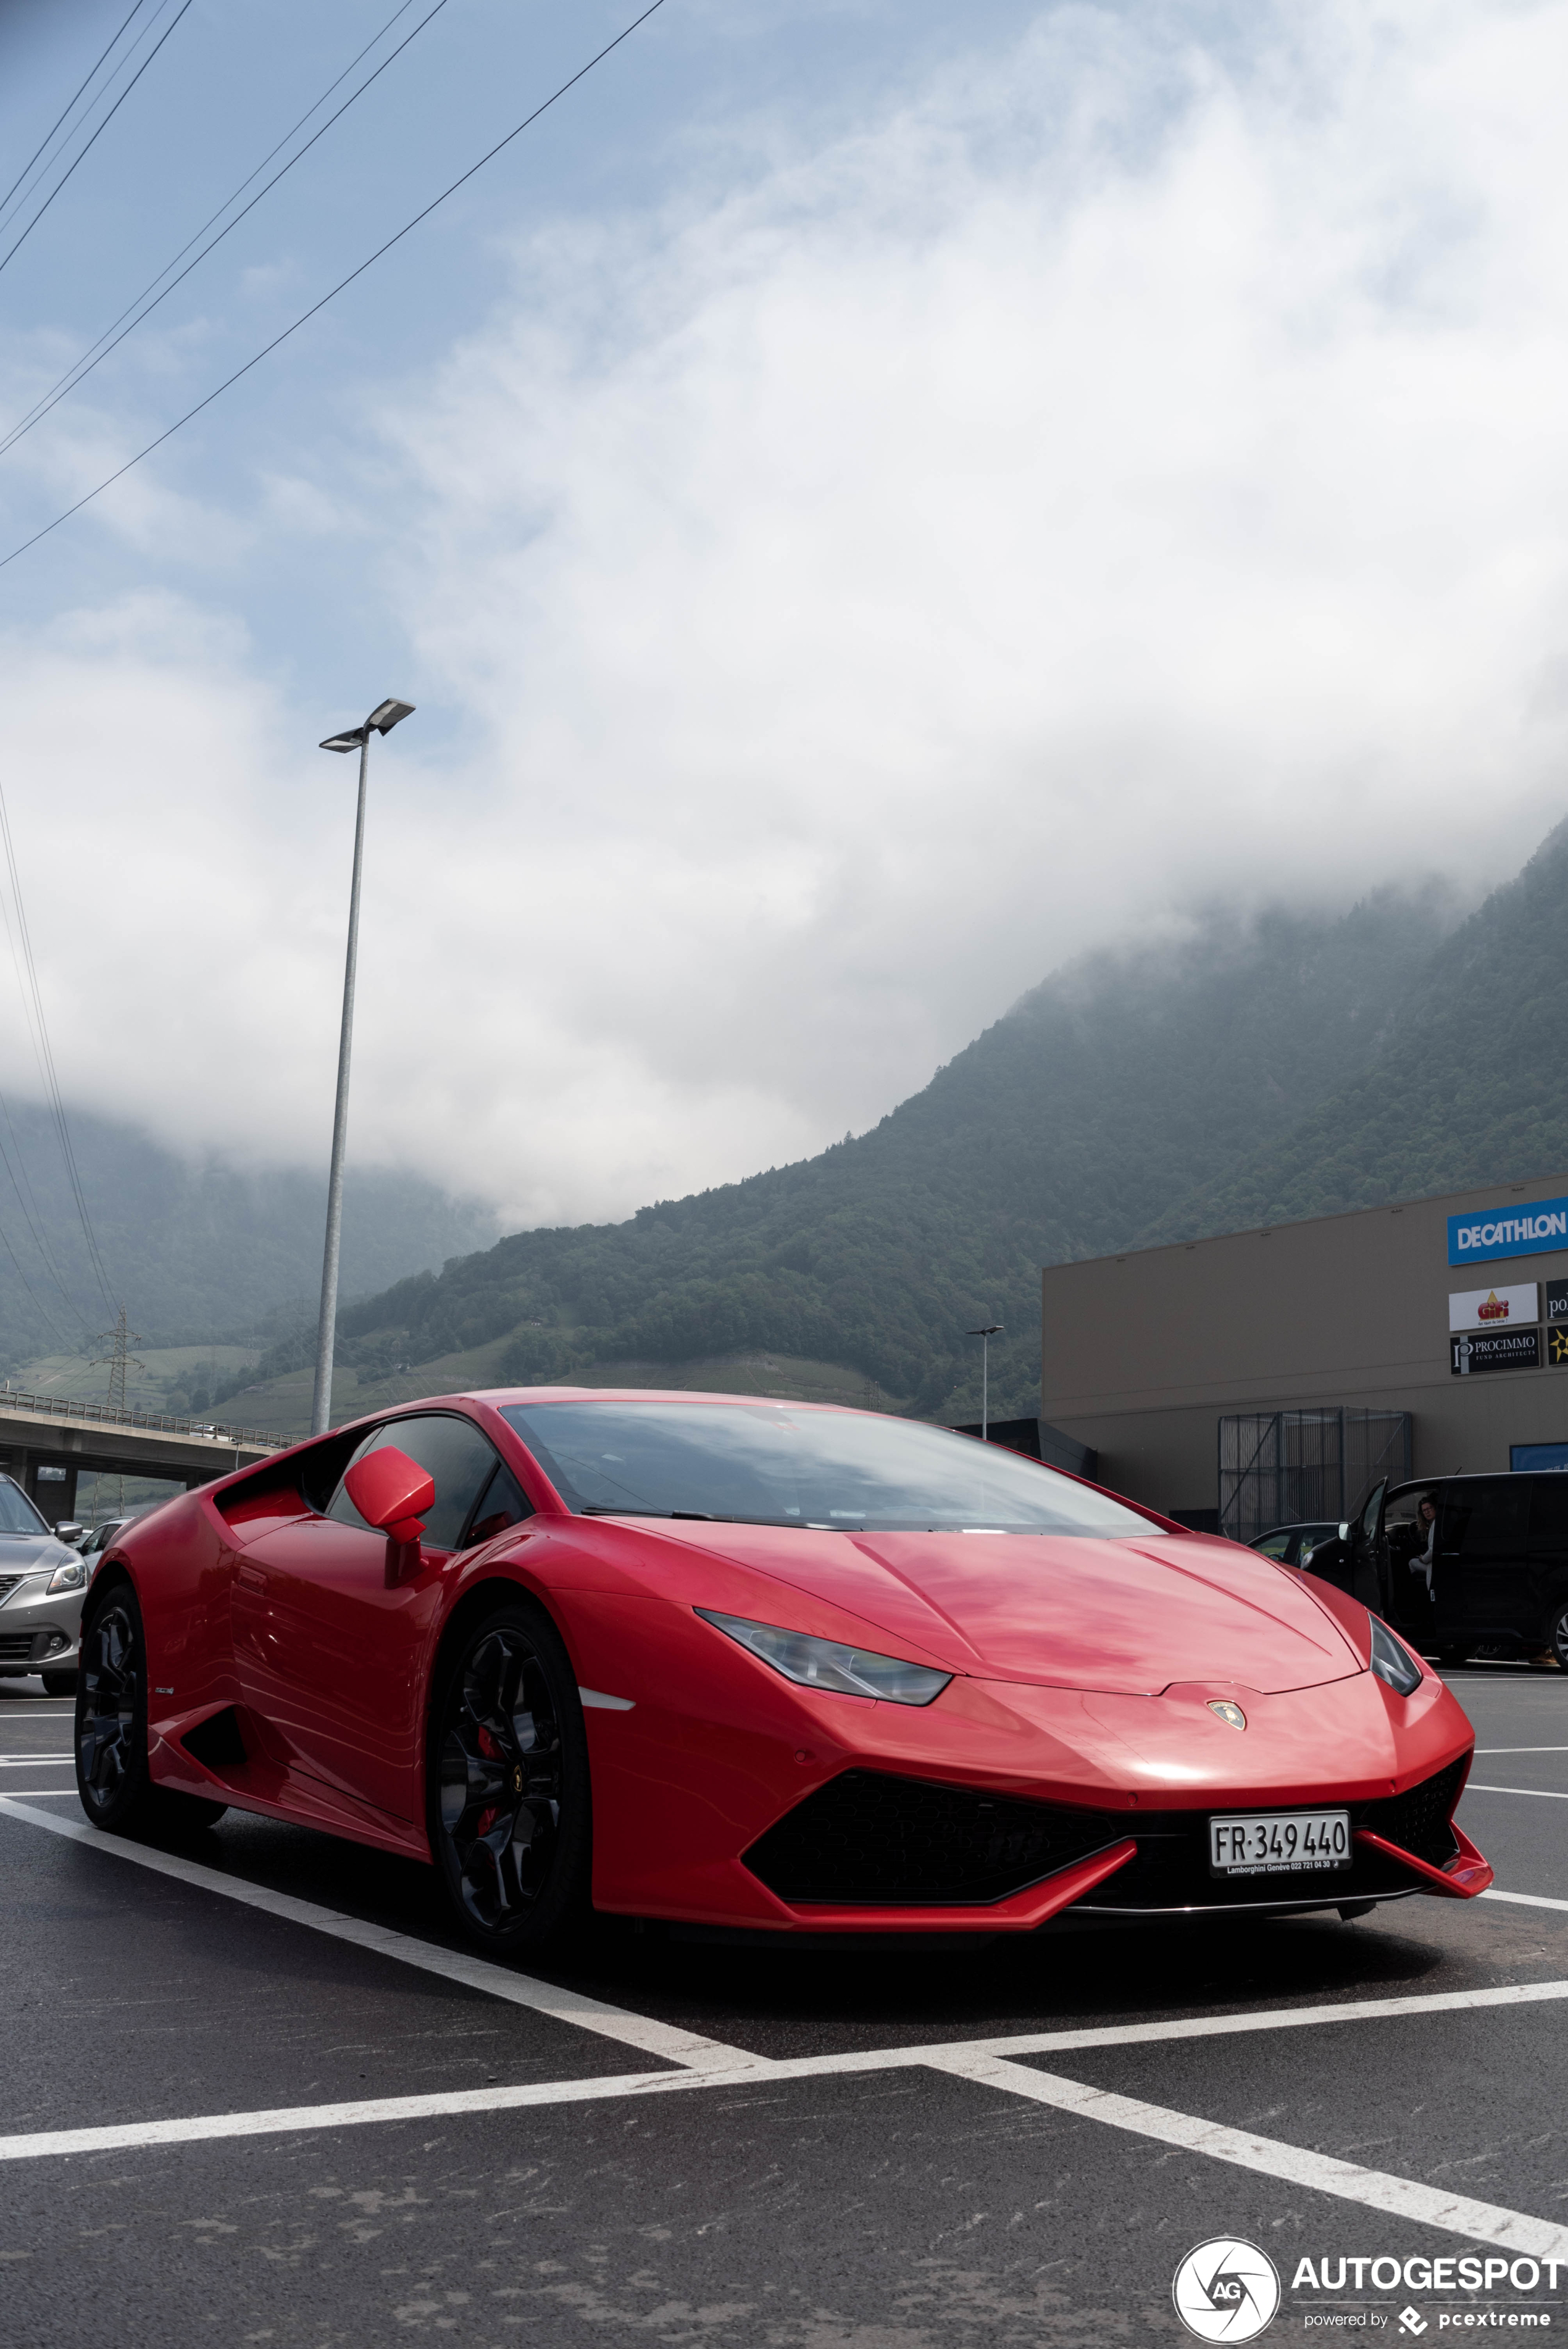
(509, 1797)
(116, 1794)
(1453, 1651)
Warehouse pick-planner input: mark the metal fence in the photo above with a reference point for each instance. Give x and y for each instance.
(1288, 1467)
(103, 1414)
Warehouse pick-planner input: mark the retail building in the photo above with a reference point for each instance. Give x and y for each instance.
(1268, 1376)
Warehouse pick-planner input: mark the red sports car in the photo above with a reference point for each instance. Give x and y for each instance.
(764, 1666)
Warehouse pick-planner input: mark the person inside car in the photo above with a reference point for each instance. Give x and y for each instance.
(1426, 1532)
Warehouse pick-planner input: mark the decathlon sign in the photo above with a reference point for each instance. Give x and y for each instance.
(1529, 1230)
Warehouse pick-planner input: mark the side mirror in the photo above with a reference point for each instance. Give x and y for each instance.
(389, 1491)
(66, 1532)
(1344, 1530)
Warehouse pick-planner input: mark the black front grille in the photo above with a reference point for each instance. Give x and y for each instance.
(8, 1583)
(872, 1840)
(1171, 1870)
(1421, 1819)
(16, 1647)
(869, 1840)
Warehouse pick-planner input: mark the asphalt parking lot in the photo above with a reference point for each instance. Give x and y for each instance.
(254, 2091)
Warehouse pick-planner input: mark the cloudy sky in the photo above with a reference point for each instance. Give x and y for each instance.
(869, 500)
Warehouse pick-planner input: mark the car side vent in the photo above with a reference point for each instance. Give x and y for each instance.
(1421, 1819)
(216, 1743)
(869, 1840)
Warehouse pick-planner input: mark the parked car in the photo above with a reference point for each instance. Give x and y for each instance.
(42, 1581)
(98, 1540)
(1498, 1574)
(1291, 1545)
(779, 1667)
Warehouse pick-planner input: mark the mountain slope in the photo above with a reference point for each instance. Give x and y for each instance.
(1469, 1083)
(197, 1250)
(1091, 1110)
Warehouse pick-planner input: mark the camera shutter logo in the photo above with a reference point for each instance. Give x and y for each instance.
(1226, 2290)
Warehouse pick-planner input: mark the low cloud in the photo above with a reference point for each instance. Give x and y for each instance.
(1127, 477)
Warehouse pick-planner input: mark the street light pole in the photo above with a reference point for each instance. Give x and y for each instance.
(380, 721)
(992, 1330)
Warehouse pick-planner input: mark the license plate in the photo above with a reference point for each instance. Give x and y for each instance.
(1274, 1843)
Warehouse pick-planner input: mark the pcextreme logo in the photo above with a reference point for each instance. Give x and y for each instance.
(1226, 2290)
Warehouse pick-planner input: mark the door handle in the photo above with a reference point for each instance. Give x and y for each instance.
(251, 1577)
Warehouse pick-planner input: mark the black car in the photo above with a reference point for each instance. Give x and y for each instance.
(1495, 1576)
(1293, 1545)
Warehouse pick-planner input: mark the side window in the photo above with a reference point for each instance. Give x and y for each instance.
(1549, 1512)
(456, 1456)
(1488, 1518)
(1276, 1545)
(501, 1504)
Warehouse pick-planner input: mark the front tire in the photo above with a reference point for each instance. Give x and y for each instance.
(1556, 1640)
(112, 1780)
(508, 1804)
(60, 1683)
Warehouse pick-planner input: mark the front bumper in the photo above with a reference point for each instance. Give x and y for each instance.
(39, 1633)
(729, 1796)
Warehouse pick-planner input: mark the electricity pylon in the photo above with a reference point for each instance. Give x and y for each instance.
(118, 1359)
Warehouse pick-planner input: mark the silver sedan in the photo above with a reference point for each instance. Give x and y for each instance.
(43, 1582)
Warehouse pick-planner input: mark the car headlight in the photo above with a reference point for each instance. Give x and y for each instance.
(1393, 1663)
(827, 1664)
(72, 1576)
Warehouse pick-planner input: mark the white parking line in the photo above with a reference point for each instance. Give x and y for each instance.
(677, 2046)
(1525, 1900)
(32, 1761)
(1546, 1794)
(1522, 1749)
(1403, 2198)
(704, 2064)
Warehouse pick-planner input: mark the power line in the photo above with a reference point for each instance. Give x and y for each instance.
(32, 1215)
(97, 352)
(97, 134)
(47, 1057)
(48, 134)
(343, 283)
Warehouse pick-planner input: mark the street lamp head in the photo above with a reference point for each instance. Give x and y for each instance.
(992, 1330)
(381, 720)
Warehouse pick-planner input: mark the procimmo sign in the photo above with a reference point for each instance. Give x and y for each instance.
(1530, 1230)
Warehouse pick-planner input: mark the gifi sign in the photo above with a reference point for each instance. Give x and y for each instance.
(1529, 1230)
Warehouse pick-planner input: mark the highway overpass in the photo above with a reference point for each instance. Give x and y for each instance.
(47, 1442)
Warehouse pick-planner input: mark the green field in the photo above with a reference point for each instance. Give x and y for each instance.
(147, 1388)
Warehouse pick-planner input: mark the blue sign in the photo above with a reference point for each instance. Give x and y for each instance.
(1537, 1456)
(1530, 1230)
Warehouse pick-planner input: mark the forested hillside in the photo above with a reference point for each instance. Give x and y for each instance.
(1468, 1084)
(1075, 1125)
(197, 1250)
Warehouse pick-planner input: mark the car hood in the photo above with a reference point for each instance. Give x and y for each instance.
(1129, 1616)
(22, 1554)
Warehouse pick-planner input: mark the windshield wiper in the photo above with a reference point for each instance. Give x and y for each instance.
(636, 1509)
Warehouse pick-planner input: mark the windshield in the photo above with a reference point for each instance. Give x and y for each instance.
(17, 1514)
(764, 1464)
